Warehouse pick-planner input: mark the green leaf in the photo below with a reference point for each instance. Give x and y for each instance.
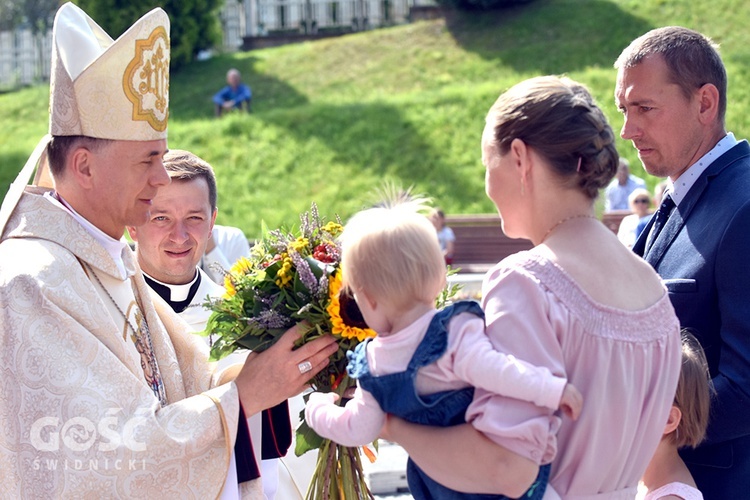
(319, 268)
(307, 439)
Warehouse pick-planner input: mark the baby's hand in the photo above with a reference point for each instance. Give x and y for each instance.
(322, 399)
(571, 401)
(318, 404)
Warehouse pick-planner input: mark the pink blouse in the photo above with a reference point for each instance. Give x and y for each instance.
(682, 490)
(626, 364)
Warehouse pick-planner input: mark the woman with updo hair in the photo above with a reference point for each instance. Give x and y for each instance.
(579, 303)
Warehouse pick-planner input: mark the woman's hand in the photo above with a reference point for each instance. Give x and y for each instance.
(280, 372)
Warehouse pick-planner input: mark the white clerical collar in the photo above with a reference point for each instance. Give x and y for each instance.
(178, 292)
(679, 189)
(114, 248)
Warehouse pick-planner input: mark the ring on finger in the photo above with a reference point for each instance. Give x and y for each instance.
(305, 367)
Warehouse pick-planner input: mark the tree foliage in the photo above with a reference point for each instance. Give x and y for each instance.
(9, 15)
(194, 23)
(37, 13)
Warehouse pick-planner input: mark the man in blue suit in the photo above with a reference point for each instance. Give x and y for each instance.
(671, 89)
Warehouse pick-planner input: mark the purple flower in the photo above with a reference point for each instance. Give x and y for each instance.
(315, 215)
(323, 287)
(270, 319)
(278, 241)
(306, 275)
(334, 251)
(305, 227)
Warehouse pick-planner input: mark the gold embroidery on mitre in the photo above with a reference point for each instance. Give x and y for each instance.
(146, 80)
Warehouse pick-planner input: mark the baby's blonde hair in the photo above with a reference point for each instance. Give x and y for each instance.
(392, 253)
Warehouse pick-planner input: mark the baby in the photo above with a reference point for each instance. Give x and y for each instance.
(424, 363)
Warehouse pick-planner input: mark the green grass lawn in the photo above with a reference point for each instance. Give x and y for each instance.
(334, 119)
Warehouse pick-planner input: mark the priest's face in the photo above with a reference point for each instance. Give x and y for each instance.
(172, 242)
(116, 184)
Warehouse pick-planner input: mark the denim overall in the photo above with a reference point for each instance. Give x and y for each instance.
(397, 395)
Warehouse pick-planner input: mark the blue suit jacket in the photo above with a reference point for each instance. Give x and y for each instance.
(703, 256)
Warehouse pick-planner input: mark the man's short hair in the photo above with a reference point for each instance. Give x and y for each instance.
(185, 166)
(692, 59)
(61, 146)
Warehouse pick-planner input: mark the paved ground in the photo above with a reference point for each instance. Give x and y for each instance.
(471, 285)
(387, 476)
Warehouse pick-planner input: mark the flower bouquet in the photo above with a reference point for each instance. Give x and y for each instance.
(292, 277)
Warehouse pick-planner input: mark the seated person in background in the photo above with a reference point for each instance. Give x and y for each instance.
(236, 95)
(225, 246)
(445, 235)
(622, 185)
(169, 247)
(667, 476)
(424, 363)
(632, 225)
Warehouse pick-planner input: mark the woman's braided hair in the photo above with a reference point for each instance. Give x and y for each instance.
(559, 119)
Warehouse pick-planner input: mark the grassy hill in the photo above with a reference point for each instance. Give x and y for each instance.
(332, 120)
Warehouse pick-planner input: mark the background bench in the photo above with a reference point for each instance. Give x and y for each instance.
(480, 242)
(612, 219)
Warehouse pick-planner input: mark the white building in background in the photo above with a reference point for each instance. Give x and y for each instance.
(269, 18)
(25, 59)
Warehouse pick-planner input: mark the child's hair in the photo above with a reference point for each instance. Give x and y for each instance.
(693, 396)
(392, 252)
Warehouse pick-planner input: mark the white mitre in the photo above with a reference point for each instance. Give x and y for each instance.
(109, 89)
(101, 88)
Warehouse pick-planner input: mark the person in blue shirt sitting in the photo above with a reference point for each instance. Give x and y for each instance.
(236, 95)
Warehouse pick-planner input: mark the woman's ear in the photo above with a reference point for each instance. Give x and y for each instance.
(675, 416)
(520, 153)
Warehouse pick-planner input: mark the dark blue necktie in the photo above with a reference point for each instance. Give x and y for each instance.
(661, 216)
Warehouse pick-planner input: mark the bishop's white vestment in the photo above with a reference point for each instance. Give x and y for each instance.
(84, 369)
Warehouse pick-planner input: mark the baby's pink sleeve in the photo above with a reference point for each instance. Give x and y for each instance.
(477, 362)
(356, 424)
(519, 322)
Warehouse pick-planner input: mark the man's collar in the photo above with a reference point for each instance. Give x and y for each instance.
(679, 188)
(115, 248)
(177, 296)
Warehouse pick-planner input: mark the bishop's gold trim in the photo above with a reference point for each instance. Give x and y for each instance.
(225, 428)
(153, 77)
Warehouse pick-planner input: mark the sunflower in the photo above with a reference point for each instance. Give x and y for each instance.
(339, 326)
(230, 290)
(242, 266)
